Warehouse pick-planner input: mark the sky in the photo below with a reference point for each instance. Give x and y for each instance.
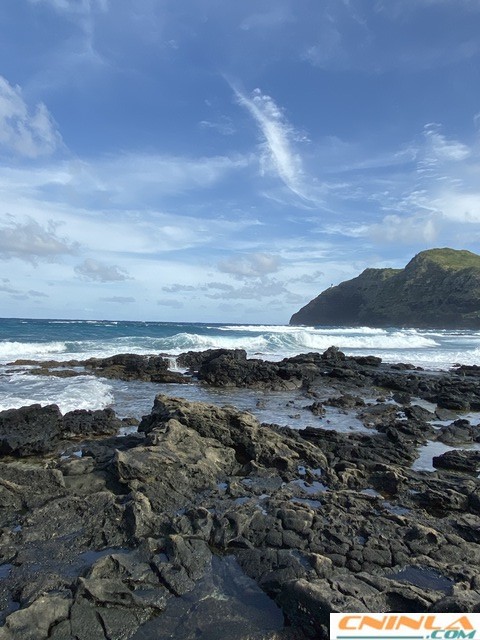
(225, 160)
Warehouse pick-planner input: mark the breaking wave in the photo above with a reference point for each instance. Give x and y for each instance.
(428, 348)
(35, 350)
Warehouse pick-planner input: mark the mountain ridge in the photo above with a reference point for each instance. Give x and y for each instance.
(438, 288)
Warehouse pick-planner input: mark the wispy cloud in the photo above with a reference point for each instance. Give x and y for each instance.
(254, 265)
(173, 304)
(274, 18)
(32, 242)
(278, 138)
(266, 288)
(37, 294)
(28, 132)
(411, 230)
(95, 270)
(126, 178)
(222, 125)
(75, 54)
(439, 149)
(118, 299)
(349, 36)
(180, 288)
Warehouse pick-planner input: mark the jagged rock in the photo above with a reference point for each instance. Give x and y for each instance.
(317, 408)
(29, 430)
(345, 401)
(193, 360)
(130, 366)
(136, 532)
(26, 487)
(35, 622)
(237, 430)
(229, 370)
(176, 464)
(458, 433)
(464, 461)
(91, 423)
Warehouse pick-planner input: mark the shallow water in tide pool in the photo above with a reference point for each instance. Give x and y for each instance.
(224, 594)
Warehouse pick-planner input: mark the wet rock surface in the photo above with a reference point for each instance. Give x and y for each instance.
(124, 366)
(205, 514)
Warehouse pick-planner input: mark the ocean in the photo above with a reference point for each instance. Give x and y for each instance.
(81, 339)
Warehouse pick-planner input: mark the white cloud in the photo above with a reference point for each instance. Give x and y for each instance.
(223, 125)
(309, 278)
(405, 230)
(126, 177)
(254, 265)
(26, 132)
(177, 288)
(459, 207)
(440, 149)
(276, 17)
(266, 288)
(278, 137)
(85, 199)
(32, 242)
(74, 6)
(118, 299)
(174, 304)
(91, 269)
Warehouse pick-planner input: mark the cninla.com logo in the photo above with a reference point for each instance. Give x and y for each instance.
(404, 626)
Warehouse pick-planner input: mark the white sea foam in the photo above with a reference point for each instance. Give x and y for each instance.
(271, 328)
(82, 392)
(288, 343)
(34, 350)
(259, 328)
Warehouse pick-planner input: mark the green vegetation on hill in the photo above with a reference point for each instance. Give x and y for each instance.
(451, 258)
(439, 288)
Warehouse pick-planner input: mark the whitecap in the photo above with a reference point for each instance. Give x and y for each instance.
(82, 392)
(34, 350)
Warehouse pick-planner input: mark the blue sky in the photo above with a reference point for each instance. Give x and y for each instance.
(217, 160)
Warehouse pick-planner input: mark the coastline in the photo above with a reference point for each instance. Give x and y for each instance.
(114, 536)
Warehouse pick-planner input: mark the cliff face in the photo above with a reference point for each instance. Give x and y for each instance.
(439, 288)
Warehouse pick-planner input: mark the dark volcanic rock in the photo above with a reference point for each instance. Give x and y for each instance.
(459, 432)
(37, 430)
(466, 461)
(123, 366)
(91, 423)
(26, 487)
(175, 464)
(240, 431)
(129, 366)
(29, 430)
(437, 288)
(193, 360)
(174, 530)
(231, 369)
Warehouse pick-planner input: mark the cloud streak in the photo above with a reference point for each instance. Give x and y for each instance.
(278, 136)
(25, 131)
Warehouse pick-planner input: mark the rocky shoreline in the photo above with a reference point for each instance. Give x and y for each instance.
(203, 514)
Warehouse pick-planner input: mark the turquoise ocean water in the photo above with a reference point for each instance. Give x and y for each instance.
(81, 339)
